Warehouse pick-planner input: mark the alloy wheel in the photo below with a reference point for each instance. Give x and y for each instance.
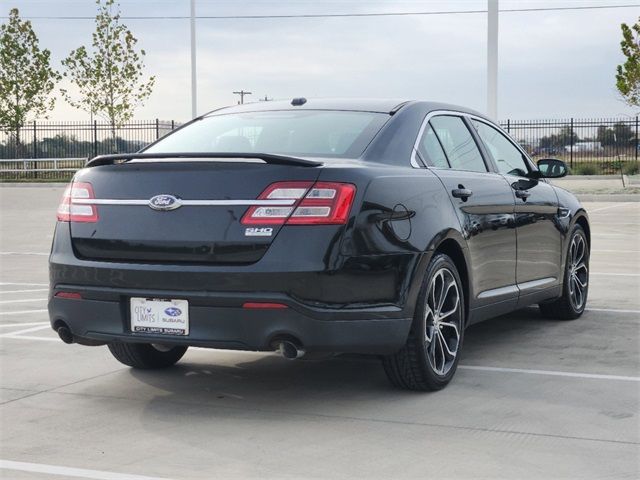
(442, 319)
(578, 271)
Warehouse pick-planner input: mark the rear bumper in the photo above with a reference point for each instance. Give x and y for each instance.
(357, 306)
(221, 322)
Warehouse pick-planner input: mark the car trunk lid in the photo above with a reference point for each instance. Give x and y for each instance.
(185, 211)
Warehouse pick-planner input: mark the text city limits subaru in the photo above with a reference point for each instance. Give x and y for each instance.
(358, 226)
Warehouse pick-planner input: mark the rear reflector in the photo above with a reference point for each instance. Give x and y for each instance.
(322, 203)
(70, 212)
(71, 295)
(263, 305)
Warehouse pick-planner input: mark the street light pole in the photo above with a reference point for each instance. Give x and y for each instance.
(492, 59)
(194, 86)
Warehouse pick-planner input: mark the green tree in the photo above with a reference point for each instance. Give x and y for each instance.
(628, 74)
(26, 76)
(110, 79)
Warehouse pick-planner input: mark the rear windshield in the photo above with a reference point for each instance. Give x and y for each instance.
(303, 133)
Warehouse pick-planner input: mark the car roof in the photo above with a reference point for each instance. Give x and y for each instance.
(349, 104)
(379, 105)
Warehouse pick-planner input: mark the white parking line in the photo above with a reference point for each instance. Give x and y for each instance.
(70, 472)
(596, 235)
(30, 337)
(607, 208)
(551, 373)
(24, 300)
(612, 310)
(25, 284)
(22, 312)
(25, 324)
(25, 291)
(24, 253)
(601, 250)
(25, 330)
(611, 274)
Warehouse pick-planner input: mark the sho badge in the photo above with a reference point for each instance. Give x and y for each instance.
(258, 232)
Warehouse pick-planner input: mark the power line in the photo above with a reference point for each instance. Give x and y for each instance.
(337, 15)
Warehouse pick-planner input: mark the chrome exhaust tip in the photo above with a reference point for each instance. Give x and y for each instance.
(290, 350)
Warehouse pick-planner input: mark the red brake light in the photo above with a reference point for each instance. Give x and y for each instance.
(70, 210)
(322, 203)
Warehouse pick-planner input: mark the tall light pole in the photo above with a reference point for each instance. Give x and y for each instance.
(492, 59)
(194, 85)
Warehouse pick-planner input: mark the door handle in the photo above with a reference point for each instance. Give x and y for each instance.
(523, 194)
(462, 193)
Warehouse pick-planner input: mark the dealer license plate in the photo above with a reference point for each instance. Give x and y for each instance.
(160, 316)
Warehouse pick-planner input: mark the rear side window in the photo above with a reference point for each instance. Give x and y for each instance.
(430, 149)
(458, 144)
(317, 133)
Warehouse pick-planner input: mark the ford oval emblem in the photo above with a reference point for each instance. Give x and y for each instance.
(164, 202)
(172, 311)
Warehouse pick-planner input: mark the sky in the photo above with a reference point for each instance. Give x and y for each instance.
(552, 64)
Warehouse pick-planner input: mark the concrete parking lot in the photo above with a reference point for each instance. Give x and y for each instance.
(533, 398)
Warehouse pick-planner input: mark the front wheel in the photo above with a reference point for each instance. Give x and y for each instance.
(575, 286)
(145, 355)
(429, 359)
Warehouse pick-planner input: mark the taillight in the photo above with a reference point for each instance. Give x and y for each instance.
(321, 203)
(68, 211)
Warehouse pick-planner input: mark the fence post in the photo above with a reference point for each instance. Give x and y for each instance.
(157, 129)
(95, 138)
(35, 141)
(35, 149)
(571, 144)
(508, 125)
(637, 141)
(173, 126)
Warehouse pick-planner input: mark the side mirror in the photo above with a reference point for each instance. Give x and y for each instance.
(552, 168)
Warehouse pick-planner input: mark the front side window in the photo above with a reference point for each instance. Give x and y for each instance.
(316, 133)
(508, 158)
(458, 144)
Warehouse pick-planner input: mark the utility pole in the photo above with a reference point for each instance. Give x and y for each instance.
(242, 93)
(194, 85)
(492, 59)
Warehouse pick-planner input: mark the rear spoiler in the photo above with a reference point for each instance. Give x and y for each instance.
(266, 157)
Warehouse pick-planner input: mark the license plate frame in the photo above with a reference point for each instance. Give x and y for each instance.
(159, 316)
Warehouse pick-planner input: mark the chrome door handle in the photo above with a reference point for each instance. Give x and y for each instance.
(462, 193)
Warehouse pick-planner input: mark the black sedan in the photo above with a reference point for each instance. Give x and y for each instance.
(361, 226)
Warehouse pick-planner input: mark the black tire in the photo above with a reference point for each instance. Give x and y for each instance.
(566, 307)
(146, 356)
(411, 368)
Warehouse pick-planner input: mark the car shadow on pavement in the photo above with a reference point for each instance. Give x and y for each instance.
(219, 377)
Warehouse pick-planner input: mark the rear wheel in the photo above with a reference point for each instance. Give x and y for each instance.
(146, 356)
(429, 359)
(576, 281)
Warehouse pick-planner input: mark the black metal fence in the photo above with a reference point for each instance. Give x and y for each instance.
(80, 139)
(589, 146)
